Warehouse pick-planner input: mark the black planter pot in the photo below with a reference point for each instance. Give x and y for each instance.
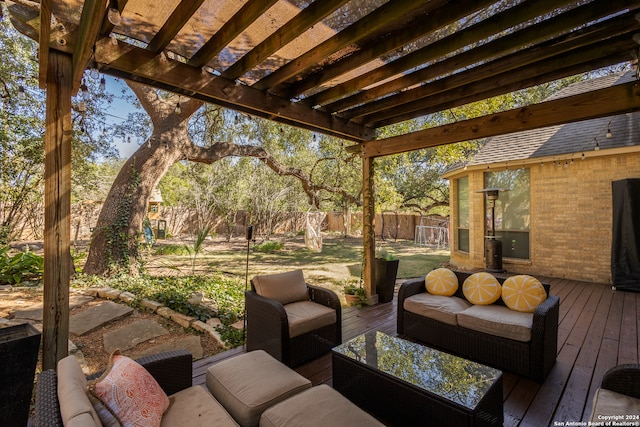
(386, 272)
(19, 347)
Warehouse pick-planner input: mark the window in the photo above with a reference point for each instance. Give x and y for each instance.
(512, 211)
(463, 214)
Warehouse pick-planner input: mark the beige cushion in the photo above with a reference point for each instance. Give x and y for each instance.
(306, 316)
(196, 407)
(436, 307)
(609, 403)
(248, 384)
(481, 288)
(319, 406)
(441, 281)
(75, 407)
(497, 320)
(284, 287)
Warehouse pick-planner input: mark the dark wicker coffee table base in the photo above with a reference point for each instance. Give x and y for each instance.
(398, 403)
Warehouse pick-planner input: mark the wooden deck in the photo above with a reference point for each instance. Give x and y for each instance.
(598, 329)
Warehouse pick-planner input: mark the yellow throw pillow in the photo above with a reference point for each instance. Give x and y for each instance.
(523, 293)
(481, 289)
(441, 281)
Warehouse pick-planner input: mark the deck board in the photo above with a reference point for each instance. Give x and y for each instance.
(598, 329)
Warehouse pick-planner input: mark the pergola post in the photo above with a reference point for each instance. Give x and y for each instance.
(368, 229)
(57, 210)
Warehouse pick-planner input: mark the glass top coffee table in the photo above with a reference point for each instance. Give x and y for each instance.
(405, 383)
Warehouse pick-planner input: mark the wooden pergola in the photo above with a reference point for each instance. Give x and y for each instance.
(341, 67)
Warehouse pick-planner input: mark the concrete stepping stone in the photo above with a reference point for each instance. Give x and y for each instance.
(96, 316)
(191, 343)
(34, 312)
(131, 335)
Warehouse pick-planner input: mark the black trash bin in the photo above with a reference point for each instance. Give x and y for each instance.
(19, 345)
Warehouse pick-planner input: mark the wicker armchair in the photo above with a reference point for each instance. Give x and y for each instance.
(619, 393)
(173, 371)
(279, 306)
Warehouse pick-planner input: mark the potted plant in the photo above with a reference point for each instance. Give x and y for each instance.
(354, 293)
(386, 270)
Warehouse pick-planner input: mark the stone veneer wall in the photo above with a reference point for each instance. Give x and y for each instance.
(571, 217)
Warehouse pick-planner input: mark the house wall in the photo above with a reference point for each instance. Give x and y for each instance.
(571, 217)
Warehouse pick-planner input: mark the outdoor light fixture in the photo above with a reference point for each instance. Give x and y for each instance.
(178, 110)
(103, 84)
(113, 15)
(609, 133)
(21, 92)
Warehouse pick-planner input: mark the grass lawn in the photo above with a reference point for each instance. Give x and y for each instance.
(339, 260)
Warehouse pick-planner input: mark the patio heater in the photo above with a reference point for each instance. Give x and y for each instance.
(493, 247)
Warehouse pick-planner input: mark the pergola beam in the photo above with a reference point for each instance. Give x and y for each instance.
(386, 44)
(366, 26)
(506, 45)
(178, 19)
(230, 30)
(43, 48)
(619, 99)
(90, 23)
(137, 64)
(309, 16)
(430, 52)
(518, 66)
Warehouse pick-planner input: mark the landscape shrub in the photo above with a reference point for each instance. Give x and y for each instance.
(20, 267)
(269, 246)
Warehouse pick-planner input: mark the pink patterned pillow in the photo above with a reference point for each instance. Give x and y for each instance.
(131, 393)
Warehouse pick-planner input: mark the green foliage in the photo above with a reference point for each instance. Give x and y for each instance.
(354, 287)
(120, 248)
(175, 292)
(385, 254)
(201, 236)
(19, 267)
(269, 246)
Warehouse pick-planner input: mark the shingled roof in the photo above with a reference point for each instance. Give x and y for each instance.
(566, 140)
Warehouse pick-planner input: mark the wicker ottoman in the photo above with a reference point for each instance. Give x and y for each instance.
(320, 406)
(248, 384)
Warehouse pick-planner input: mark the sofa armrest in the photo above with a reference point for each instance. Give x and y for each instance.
(623, 379)
(47, 408)
(267, 324)
(544, 337)
(324, 296)
(173, 370)
(407, 289)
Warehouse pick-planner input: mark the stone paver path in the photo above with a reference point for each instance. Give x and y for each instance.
(96, 316)
(191, 344)
(34, 312)
(131, 335)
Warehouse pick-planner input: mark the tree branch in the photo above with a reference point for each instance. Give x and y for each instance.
(220, 150)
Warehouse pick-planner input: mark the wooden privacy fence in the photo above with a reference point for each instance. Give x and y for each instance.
(181, 221)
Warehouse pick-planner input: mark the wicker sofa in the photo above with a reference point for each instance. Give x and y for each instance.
(532, 358)
(249, 389)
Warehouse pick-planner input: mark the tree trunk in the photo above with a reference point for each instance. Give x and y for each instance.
(114, 244)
